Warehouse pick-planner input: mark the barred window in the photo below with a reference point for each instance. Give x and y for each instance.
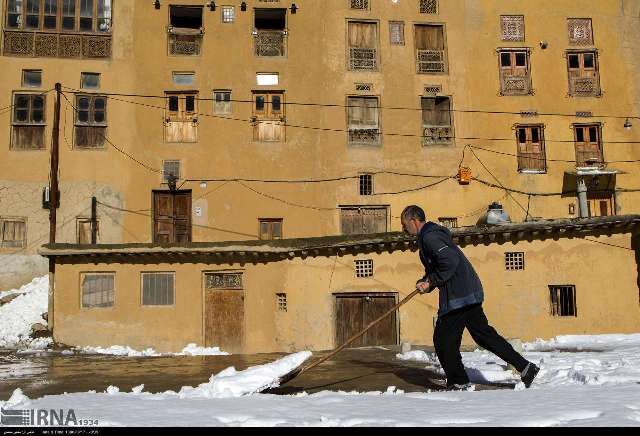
(366, 184)
(580, 31)
(281, 301)
(231, 280)
(98, 290)
(514, 260)
(428, 6)
(512, 27)
(396, 33)
(364, 268)
(13, 233)
(359, 4)
(170, 168)
(563, 300)
(228, 14)
(158, 289)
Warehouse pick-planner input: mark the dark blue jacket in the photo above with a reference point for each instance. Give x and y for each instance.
(448, 269)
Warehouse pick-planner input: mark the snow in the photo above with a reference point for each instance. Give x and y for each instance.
(124, 350)
(17, 316)
(598, 386)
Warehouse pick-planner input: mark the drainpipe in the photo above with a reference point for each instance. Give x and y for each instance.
(582, 198)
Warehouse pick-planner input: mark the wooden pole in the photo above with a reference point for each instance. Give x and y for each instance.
(94, 221)
(54, 201)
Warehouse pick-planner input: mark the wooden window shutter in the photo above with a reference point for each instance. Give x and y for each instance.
(429, 37)
(362, 39)
(13, 233)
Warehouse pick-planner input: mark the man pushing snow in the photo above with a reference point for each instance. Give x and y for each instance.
(460, 304)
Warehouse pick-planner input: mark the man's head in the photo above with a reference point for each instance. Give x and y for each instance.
(412, 219)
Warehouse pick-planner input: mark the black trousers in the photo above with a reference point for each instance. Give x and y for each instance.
(448, 335)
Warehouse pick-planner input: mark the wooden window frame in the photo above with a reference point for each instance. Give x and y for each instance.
(596, 198)
(217, 104)
(529, 140)
(581, 76)
(24, 82)
(364, 268)
(514, 261)
(79, 221)
(365, 184)
(3, 243)
(84, 74)
(343, 208)
(556, 297)
(512, 84)
(182, 115)
(400, 25)
(586, 126)
(143, 274)
(97, 273)
(15, 123)
(91, 123)
(271, 224)
(437, 134)
(377, 128)
(376, 59)
(269, 115)
(59, 17)
(444, 56)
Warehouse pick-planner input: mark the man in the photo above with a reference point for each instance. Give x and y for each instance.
(460, 306)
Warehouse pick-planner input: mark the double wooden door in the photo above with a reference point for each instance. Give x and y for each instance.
(355, 311)
(171, 217)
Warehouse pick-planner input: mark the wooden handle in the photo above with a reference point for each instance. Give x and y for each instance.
(357, 335)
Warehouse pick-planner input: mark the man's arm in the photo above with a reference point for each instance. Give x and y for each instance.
(445, 257)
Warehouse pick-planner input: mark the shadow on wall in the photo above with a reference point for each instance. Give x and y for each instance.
(635, 244)
(17, 270)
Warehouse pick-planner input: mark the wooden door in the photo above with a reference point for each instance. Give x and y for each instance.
(363, 220)
(224, 316)
(587, 143)
(355, 311)
(181, 124)
(171, 217)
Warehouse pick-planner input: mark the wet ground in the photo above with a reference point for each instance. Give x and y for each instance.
(361, 369)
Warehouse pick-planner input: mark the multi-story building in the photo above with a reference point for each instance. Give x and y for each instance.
(284, 119)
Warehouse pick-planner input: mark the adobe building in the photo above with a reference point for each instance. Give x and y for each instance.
(294, 120)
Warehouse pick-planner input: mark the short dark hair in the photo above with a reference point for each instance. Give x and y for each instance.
(413, 212)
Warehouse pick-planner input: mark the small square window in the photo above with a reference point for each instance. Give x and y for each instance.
(89, 80)
(98, 290)
(183, 78)
(428, 6)
(13, 233)
(267, 79)
(222, 102)
(366, 184)
(170, 168)
(364, 268)
(580, 31)
(158, 289)
(270, 228)
(281, 301)
(563, 300)
(228, 14)
(512, 27)
(32, 78)
(396, 33)
(514, 261)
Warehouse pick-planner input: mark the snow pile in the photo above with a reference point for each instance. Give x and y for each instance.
(418, 356)
(124, 350)
(17, 316)
(194, 350)
(584, 343)
(232, 383)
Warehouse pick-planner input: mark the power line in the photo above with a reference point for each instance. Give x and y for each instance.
(339, 105)
(543, 158)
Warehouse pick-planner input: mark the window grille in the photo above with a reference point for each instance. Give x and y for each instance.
(231, 280)
(366, 184)
(432, 90)
(364, 87)
(359, 4)
(158, 289)
(428, 6)
(430, 49)
(512, 27)
(14, 233)
(363, 46)
(396, 33)
(364, 268)
(363, 121)
(281, 301)
(98, 290)
(170, 168)
(228, 14)
(563, 300)
(449, 222)
(514, 260)
(580, 31)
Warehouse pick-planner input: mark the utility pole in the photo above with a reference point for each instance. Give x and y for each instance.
(94, 220)
(54, 201)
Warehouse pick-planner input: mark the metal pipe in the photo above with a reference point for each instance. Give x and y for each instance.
(582, 198)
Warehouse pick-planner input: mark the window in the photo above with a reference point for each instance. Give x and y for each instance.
(228, 14)
(91, 121)
(270, 228)
(269, 116)
(89, 80)
(183, 78)
(281, 302)
(185, 30)
(448, 222)
(356, 220)
(83, 234)
(366, 184)
(14, 232)
(396, 32)
(28, 122)
(430, 49)
(181, 120)
(64, 15)
(580, 31)
(270, 32)
(364, 268)
(359, 4)
(98, 290)
(512, 27)
(601, 202)
(158, 289)
(363, 46)
(32, 78)
(221, 102)
(514, 260)
(531, 149)
(170, 168)
(588, 145)
(223, 280)
(363, 121)
(267, 79)
(428, 6)
(436, 120)
(515, 77)
(584, 76)
(563, 300)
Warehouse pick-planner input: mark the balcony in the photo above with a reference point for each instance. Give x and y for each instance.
(185, 41)
(270, 43)
(61, 45)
